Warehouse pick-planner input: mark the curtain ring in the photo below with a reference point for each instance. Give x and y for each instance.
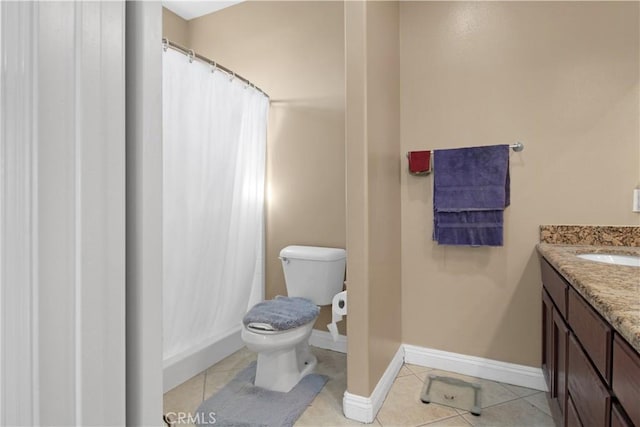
(165, 44)
(191, 55)
(233, 76)
(214, 67)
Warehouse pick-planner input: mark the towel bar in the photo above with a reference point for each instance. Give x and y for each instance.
(517, 147)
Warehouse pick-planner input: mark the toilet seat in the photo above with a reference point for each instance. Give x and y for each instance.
(262, 328)
(280, 314)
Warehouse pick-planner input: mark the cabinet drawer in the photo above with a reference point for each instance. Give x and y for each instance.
(555, 285)
(589, 395)
(626, 378)
(572, 415)
(593, 332)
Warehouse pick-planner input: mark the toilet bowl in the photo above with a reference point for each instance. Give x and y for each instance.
(284, 357)
(279, 329)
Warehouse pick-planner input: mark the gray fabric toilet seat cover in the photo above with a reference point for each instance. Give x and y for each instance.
(281, 314)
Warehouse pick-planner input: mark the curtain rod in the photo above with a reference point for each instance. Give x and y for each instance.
(166, 43)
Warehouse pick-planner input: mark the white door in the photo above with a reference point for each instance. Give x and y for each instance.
(62, 216)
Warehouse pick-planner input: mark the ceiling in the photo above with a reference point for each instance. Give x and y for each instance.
(193, 9)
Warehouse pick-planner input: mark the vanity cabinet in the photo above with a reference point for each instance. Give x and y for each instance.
(592, 373)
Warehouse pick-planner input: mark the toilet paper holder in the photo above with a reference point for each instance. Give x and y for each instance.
(338, 310)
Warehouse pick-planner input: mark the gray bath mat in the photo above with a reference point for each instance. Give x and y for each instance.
(452, 392)
(241, 404)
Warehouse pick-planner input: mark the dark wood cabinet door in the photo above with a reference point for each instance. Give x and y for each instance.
(560, 343)
(617, 419)
(547, 342)
(593, 332)
(571, 415)
(626, 378)
(555, 285)
(589, 394)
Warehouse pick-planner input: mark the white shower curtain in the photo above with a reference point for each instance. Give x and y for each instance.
(214, 144)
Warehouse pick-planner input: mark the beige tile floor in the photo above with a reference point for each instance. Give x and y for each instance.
(502, 404)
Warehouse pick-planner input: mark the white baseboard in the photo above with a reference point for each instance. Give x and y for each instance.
(183, 366)
(479, 367)
(322, 339)
(365, 409)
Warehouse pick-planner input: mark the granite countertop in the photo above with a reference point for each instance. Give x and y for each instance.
(613, 290)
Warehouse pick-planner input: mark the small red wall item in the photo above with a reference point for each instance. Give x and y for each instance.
(419, 162)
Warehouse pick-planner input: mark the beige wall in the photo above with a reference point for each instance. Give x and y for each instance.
(294, 51)
(174, 28)
(373, 191)
(563, 79)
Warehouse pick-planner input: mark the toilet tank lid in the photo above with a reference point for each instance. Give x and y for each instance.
(313, 253)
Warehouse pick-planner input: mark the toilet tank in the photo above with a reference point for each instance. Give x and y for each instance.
(313, 272)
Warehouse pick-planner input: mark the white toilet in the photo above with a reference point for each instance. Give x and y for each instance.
(279, 329)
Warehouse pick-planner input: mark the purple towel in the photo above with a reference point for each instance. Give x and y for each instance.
(474, 228)
(471, 190)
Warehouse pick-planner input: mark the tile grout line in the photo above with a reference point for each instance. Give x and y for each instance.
(523, 398)
(500, 403)
(443, 419)
(204, 385)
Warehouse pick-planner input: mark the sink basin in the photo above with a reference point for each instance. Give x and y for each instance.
(630, 260)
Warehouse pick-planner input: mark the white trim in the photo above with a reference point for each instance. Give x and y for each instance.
(358, 408)
(19, 378)
(181, 367)
(78, 220)
(322, 339)
(510, 373)
(2, 203)
(365, 409)
(35, 261)
(81, 207)
(144, 212)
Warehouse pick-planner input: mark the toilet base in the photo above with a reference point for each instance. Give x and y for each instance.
(281, 370)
